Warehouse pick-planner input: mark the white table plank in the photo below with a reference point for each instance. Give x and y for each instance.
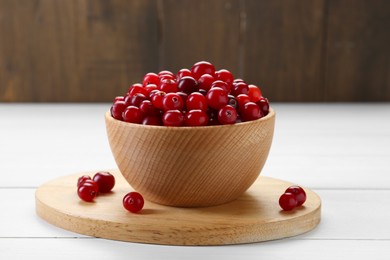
(104, 249)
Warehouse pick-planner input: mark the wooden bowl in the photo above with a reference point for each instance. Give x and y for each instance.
(191, 166)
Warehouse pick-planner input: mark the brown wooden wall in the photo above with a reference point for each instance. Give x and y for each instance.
(296, 50)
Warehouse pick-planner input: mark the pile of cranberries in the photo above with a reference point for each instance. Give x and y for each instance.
(199, 96)
(103, 182)
(293, 197)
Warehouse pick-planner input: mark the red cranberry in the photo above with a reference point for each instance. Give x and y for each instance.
(299, 193)
(137, 88)
(254, 93)
(250, 111)
(221, 84)
(150, 78)
(202, 67)
(105, 181)
(172, 101)
(152, 120)
(157, 99)
(133, 202)
(166, 73)
(82, 179)
(240, 88)
(173, 118)
(287, 201)
(196, 101)
(225, 76)
(88, 190)
(119, 98)
(135, 100)
(148, 109)
(133, 114)
(183, 73)
(205, 82)
(227, 115)
(196, 117)
(150, 87)
(242, 99)
(117, 109)
(217, 98)
(264, 105)
(168, 86)
(187, 85)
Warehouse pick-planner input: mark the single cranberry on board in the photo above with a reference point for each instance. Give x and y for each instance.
(133, 202)
(105, 181)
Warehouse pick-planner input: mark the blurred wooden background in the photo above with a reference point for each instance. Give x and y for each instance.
(92, 50)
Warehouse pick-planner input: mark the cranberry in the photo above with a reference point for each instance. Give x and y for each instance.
(148, 109)
(150, 87)
(196, 117)
(299, 193)
(132, 114)
(117, 109)
(250, 111)
(157, 99)
(196, 101)
(233, 101)
(150, 78)
(205, 82)
(242, 99)
(183, 73)
(221, 84)
(137, 88)
(184, 97)
(88, 190)
(187, 85)
(240, 88)
(133, 202)
(105, 181)
(254, 93)
(202, 67)
(168, 85)
(235, 81)
(217, 98)
(172, 101)
(213, 117)
(287, 201)
(152, 120)
(173, 118)
(82, 179)
(264, 105)
(166, 73)
(119, 98)
(135, 100)
(225, 76)
(227, 115)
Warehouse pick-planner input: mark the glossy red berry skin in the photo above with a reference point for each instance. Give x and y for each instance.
(168, 86)
(233, 101)
(264, 105)
(172, 101)
(166, 73)
(187, 85)
(202, 67)
(150, 78)
(227, 115)
(148, 109)
(157, 99)
(149, 88)
(119, 98)
(82, 179)
(216, 98)
(132, 114)
(105, 181)
(221, 84)
(117, 110)
(225, 76)
(183, 73)
(152, 120)
(135, 100)
(254, 93)
(137, 88)
(196, 117)
(173, 118)
(240, 88)
(242, 99)
(196, 100)
(133, 202)
(250, 111)
(287, 201)
(88, 190)
(205, 82)
(299, 193)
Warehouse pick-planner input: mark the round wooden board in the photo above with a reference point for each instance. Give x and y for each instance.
(254, 217)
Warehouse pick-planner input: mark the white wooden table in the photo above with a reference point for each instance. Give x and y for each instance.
(341, 151)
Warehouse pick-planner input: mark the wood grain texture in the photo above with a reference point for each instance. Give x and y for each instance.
(192, 31)
(191, 166)
(283, 49)
(255, 216)
(358, 52)
(74, 50)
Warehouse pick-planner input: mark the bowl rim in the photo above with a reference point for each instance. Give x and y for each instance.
(269, 116)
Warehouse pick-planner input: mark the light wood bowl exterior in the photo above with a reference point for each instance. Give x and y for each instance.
(191, 166)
